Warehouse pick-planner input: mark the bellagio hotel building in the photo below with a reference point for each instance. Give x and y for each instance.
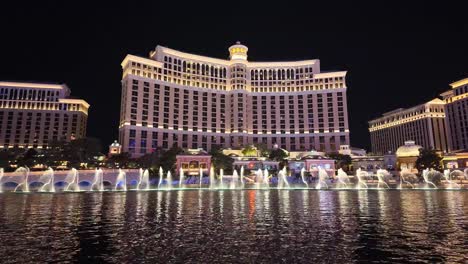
(33, 114)
(195, 101)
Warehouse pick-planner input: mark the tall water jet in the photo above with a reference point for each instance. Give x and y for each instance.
(322, 181)
(201, 177)
(452, 185)
(212, 178)
(72, 180)
(425, 175)
(266, 177)
(161, 176)
(98, 182)
(234, 179)
(303, 177)
(1, 177)
(221, 176)
(143, 181)
(381, 174)
(121, 180)
(181, 178)
(242, 176)
(49, 181)
(404, 175)
(343, 179)
(360, 174)
(282, 179)
(24, 171)
(169, 180)
(259, 176)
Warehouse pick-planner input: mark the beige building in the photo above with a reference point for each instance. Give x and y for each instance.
(32, 114)
(195, 101)
(424, 124)
(456, 109)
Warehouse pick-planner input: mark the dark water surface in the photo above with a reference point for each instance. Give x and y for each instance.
(251, 226)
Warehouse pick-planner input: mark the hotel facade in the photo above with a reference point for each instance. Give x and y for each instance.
(424, 124)
(32, 114)
(195, 101)
(441, 124)
(456, 109)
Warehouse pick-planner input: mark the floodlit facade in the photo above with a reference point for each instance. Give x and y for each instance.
(32, 114)
(195, 101)
(456, 109)
(424, 124)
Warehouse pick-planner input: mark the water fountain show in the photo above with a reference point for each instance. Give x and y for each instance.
(23, 180)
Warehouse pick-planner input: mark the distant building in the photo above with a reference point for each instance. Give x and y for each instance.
(456, 110)
(192, 101)
(33, 114)
(407, 155)
(115, 148)
(424, 124)
(192, 161)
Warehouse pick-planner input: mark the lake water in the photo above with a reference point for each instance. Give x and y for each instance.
(250, 226)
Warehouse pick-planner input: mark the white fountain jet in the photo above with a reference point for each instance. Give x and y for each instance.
(212, 178)
(181, 177)
(72, 180)
(161, 176)
(24, 172)
(259, 176)
(404, 172)
(221, 176)
(266, 177)
(303, 177)
(452, 185)
(169, 180)
(1, 177)
(121, 179)
(360, 174)
(242, 176)
(425, 175)
(283, 179)
(98, 182)
(48, 179)
(234, 179)
(143, 181)
(201, 177)
(343, 179)
(322, 179)
(381, 174)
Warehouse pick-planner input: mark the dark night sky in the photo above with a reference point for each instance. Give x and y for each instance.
(396, 54)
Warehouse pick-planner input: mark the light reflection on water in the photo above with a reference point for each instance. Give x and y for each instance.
(251, 226)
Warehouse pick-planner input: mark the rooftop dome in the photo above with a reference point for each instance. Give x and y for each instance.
(115, 144)
(238, 51)
(410, 149)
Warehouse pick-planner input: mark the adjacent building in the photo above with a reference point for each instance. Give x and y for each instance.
(424, 124)
(33, 114)
(456, 110)
(192, 101)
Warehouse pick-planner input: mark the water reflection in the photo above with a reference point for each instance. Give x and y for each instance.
(235, 226)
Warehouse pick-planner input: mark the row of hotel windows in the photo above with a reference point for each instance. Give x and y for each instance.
(29, 127)
(29, 94)
(221, 71)
(401, 116)
(461, 90)
(149, 142)
(213, 83)
(458, 117)
(175, 104)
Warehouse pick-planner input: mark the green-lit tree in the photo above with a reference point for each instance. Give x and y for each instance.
(429, 158)
(221, 161)
(167, 159)
(263, 150)
(249, 150)
(341, 161)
